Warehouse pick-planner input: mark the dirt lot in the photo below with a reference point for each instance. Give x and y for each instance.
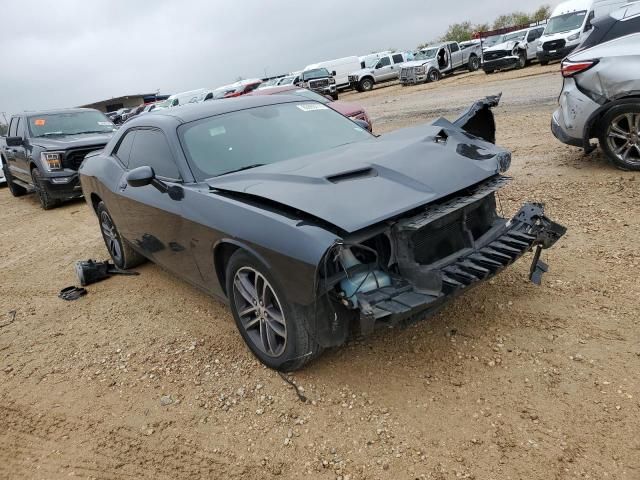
(147, 377)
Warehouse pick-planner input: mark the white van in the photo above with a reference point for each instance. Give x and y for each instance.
(569, 24)
(340, 68)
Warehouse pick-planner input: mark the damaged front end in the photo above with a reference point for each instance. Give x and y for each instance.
(406, 268)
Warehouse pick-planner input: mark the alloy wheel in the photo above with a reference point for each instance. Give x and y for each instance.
(623, 137)
(111, 239)
(260, 312)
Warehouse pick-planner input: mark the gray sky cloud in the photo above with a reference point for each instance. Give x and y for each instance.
(71, 52)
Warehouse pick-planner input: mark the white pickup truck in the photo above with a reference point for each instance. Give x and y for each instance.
(431, 63)
(385, 68)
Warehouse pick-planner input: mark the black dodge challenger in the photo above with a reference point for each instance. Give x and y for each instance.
(312, 228)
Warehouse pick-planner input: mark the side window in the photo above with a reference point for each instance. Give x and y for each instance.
(123, 149)
(621, 29)
(385, 62)
(20, 128)
(151, 148)
(454, 47)
(13, 126)
(397, 58)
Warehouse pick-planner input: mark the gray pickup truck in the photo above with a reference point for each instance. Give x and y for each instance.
(43, 151)
(377, 70)
(431, 63)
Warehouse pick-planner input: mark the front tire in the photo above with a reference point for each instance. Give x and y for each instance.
(46, 202)
(522, 60)
(474, 63)
(620, 136)
(334, 96)
(16, 190)
(275, 330)
(366, 85)
(122, 254)
(433, 76)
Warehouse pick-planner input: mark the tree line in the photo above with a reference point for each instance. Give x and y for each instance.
(461, 32)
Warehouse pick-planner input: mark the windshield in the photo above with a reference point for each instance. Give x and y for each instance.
(308, 94)
(315, 73)
(426, 54)
(371, 63)
(491, 41)
(264, 135)
(69, 123)
(517, 36)
(565, 23)
(286, 81)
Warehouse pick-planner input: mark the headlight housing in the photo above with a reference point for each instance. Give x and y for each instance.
(573, 37)
(51, 160)
(420, 70)
(332, 80)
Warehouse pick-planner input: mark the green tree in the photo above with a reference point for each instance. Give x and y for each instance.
(502, 21)
(458, 32)
(520, 18)
(542, 13)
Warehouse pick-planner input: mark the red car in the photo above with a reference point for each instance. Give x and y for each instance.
(350, 110)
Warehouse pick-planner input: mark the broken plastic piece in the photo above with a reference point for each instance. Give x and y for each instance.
(72, 293)
(90, 271)
(538, 267)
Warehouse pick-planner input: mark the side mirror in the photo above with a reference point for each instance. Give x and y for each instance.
(363, 124)
(379, 65)
(141, 176)
(14, 142)
(334, 73)
(588, 26)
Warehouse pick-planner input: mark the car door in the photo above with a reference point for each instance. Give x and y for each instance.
(152, 219)
(383, 70)
(532, 42)
(17, 156)
(397, 61)
(456, 55)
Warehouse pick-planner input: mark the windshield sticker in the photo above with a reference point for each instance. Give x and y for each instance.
(39, 122)
(310, 107)
(105, 124)
(215, 131)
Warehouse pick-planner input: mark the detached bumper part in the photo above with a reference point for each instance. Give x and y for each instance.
(404, 302)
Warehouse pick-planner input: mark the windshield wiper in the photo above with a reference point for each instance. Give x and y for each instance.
(89, 131)
(47, 134)
(255, 165)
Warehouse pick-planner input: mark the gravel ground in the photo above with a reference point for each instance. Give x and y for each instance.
(147, 377)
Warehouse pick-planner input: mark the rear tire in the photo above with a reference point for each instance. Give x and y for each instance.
(474, 63)
(46, 202)
(544, 63)
(275, 330)
(489, 72)
(122, 254)
(366, 85)
(16, 190)
(619, 136)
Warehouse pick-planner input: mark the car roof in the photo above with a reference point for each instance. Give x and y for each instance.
(57, 111)
(196, 111)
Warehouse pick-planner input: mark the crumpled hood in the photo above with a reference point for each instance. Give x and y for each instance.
(418, 63)
(358, 185)
(71, 141)
(505, 46)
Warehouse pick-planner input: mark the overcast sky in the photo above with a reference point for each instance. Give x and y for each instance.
(65, 53)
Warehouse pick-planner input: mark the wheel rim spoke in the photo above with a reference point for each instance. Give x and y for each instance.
(259, 312)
